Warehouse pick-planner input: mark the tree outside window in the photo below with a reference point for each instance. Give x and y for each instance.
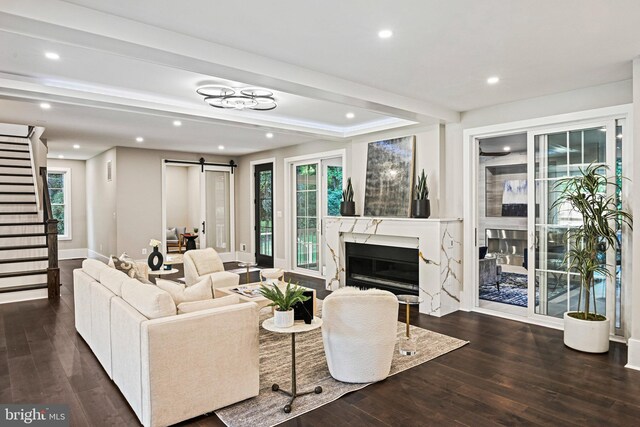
(58, 190)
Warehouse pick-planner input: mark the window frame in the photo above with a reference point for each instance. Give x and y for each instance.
(66, 174)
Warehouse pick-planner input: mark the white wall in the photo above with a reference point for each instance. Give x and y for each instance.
(139, 195)
(78, 203)
(634, 291)
(177, 188)
(101, 204)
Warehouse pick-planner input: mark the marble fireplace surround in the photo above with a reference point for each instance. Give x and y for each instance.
(439, 246)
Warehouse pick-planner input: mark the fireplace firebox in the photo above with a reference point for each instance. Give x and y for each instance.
(384, 267)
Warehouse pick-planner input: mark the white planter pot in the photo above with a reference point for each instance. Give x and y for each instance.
(283, 319)
(586, 335)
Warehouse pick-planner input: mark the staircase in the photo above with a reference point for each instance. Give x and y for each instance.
(28, 251)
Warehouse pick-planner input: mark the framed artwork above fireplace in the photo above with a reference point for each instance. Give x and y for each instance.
(389, 179)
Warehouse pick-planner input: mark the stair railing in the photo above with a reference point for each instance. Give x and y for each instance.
(51, 230)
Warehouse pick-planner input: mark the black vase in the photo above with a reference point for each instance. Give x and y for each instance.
(348, 208)
(421, 208)
(155, 259)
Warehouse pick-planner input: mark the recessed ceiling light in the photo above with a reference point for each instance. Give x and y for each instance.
(350, 115)
(45, 105)
(493, 80)
(52, 55)
(76, 146)
(177, 123)
(60, 156)
(603, 129)
(139, 139)
(269, 135)
(619, 136)
(385, 34)
(506, 148)
(220, 147)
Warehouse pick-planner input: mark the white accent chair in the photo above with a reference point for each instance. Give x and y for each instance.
(359, 332)
(200, 263)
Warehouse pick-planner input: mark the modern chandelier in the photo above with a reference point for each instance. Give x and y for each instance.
(250, 98)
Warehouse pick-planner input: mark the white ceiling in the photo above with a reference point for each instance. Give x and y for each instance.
(130, 68)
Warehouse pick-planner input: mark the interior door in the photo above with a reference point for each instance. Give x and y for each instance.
(557, 154)
(263, 211)
(217, 211)
(306, 211)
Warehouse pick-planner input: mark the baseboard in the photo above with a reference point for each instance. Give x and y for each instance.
(73, 253)
(633, 354)
(32, 294)
(96, 255)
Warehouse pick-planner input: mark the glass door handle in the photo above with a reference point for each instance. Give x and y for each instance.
(203, 227)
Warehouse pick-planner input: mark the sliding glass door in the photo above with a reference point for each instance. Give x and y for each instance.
(307, 213)
(559, 154)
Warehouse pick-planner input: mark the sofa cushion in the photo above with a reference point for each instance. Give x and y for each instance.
(93, 267)
(128, 266)
(112, 279)
(206, 261)
(181, 293)
(190, 307)
(149, 300)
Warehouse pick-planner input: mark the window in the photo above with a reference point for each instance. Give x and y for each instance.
(59, 181)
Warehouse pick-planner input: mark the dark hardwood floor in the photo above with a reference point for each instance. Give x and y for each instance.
(510, 374)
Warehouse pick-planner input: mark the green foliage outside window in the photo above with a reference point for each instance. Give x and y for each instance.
(55, 181)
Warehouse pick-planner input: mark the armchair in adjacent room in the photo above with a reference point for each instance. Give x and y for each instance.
(200, 263)
(360, 331)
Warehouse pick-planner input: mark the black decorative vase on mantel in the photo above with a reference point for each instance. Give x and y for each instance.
(155, 259)
(348, 208)
(421, 208)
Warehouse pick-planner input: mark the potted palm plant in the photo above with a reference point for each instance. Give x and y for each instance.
(420, 205)
(347, 205)
(586, 194)
(283, 302)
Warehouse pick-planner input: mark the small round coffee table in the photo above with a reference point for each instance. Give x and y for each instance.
(408, 344)
(298, 327)
(163, 272)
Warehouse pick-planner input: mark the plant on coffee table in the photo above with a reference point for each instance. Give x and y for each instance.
(283, 302)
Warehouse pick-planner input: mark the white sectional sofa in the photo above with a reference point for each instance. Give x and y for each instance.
(169, 367)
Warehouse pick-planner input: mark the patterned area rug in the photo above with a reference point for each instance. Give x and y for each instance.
(275, 367)
(513, 290)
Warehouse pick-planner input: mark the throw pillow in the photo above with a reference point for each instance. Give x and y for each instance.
(190, 307)
(128, 266)
(171, 234)
(181, 293)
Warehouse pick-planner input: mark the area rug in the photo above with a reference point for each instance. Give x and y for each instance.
(513, 290)
(275, 367)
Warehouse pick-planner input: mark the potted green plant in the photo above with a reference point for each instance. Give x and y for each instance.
(283, 302)
(420, 205)
(347, 205)
(586, 194)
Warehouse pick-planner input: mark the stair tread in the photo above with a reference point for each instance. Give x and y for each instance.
(14, 143)
(16, 203)
(12, 150)
(30, 184)
(14, 158)
(17, 248)
(19, 288)
(16, 174)
(5, 236)
(18, 213)
(5, 224)
(22, 273)
(16, 166)
(28, 193)
(26, 259)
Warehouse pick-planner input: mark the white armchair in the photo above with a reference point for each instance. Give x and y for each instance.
(359, 332)
(200, 263)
